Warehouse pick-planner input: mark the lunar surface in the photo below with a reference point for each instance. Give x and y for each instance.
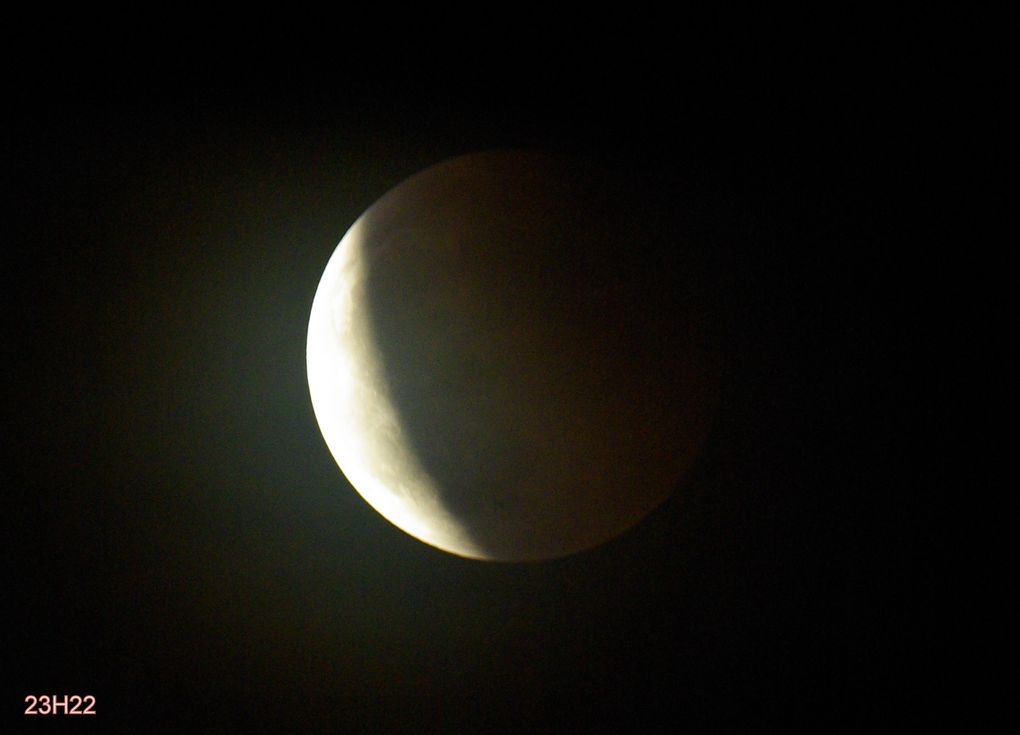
(506, 358)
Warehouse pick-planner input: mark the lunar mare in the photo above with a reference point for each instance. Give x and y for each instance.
(504, 357)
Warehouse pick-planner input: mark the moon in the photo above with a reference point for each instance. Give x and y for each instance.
(506, 356)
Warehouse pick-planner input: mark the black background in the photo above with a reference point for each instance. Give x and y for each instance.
(182, 545)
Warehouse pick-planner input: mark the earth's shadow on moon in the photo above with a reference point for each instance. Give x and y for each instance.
(546, 345)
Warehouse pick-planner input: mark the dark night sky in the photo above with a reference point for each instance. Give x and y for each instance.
(181, 543)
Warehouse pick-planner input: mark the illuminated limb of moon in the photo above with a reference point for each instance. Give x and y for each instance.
(355, 415)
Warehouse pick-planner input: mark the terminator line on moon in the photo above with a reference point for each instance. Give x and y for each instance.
(505, 356)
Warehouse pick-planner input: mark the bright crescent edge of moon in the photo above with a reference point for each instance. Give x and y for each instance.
(355, 414)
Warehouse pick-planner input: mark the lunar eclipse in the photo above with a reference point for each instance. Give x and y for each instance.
(491, 362)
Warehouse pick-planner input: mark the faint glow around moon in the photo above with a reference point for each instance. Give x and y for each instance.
(355, 414)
